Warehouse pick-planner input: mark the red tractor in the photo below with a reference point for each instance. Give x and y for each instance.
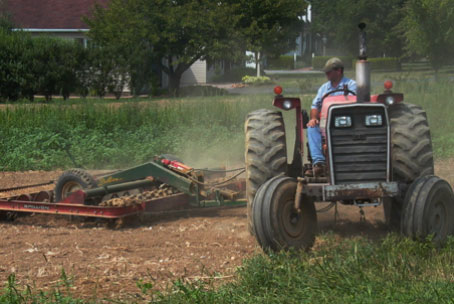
(378, 150)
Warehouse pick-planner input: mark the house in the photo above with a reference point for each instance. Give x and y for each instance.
(64, 19)
(52, 17)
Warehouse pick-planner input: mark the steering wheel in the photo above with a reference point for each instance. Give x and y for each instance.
(346, 93)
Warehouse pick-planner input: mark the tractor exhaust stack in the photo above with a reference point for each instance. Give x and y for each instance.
(362, 68)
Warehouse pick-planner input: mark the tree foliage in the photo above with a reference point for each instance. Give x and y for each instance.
(428, 27)
(52, 66)
(175, 33)
(270, 26)
(338, 21)
(178, 33)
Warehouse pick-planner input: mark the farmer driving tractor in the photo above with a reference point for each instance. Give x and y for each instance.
(334, 71)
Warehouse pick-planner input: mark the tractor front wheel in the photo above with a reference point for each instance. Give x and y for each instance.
(277, 224)
(428, 209)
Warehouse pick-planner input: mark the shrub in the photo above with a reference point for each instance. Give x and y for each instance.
(15, 73)
(50, 66)
(282, 62)
(37, 65)
(318, 62)
(256, 80)
(54, 64)
(234, 75)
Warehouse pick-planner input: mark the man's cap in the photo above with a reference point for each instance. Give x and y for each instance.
(333, 63)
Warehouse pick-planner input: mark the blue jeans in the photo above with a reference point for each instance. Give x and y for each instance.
(314, 137)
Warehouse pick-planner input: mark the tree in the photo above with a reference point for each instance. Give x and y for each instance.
(269, 27)
(5, 17)
(36, 65)
(428, 27)
(175, 33)
(338, 22)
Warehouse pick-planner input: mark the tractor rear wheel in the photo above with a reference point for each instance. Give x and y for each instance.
(71, 181)
(266, 152)
(411, 152)
(428, 209)
(277, 224)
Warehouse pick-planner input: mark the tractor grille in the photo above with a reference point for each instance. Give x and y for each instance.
(359, 153)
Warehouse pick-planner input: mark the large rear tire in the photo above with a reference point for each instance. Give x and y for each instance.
(411, 152)
(266, 152)
(277, 224)
(428, 209)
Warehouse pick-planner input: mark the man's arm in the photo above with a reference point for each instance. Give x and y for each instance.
(352, 85)
(316, 105)
(314, 121)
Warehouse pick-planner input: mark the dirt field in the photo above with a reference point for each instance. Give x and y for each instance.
(106, 262)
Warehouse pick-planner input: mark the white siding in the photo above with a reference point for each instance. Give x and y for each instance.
(196, 74)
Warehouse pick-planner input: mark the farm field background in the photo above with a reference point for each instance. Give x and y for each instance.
(352, 262)
(103, 135)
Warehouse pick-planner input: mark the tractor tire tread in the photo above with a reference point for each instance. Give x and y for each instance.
(417, 206)
(266, 151)
(411, 151)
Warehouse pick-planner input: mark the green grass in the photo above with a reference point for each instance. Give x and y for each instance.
(358, 270)
(204, 131)
(100, 136)
(14, 293)
(355, 270)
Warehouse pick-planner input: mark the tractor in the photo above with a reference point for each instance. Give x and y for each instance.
(378, 150)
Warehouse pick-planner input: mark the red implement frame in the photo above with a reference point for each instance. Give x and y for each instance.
(74, 205)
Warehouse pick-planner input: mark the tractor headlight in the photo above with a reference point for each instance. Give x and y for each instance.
(374, 120)
(389, 100)
(287, 104)
(342, 121)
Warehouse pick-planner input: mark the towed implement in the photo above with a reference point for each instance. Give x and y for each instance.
(163, 184)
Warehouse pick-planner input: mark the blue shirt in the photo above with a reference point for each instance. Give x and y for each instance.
(327, 87)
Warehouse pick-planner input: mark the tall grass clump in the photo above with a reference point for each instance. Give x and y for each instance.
(358, 270)
(106, 136)
(14, 293)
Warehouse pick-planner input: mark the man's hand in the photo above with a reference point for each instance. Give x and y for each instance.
(313, 123)
(314, 119)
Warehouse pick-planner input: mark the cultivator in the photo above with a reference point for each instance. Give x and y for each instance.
(160, 185)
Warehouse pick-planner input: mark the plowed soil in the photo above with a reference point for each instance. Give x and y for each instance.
(108, 262)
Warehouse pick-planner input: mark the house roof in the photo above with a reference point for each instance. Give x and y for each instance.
(51, 14)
